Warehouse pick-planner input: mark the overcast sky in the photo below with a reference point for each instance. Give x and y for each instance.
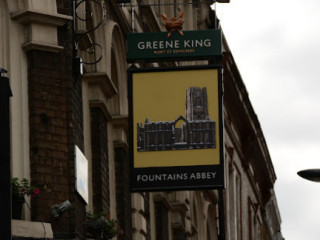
(276, 46)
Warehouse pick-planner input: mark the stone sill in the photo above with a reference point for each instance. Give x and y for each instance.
(105, 83)
(27, 229)
(27, 17)
(33, 45)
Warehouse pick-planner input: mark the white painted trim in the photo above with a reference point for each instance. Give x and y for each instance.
(39, 230)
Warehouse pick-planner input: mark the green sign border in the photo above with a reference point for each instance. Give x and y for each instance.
(203, 44)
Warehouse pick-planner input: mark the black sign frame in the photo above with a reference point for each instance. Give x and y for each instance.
(123, 1)
(175, 178)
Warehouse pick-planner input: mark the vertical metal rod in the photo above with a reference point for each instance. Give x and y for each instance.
(74, 16)
(132, 18)
(215, 16)
(222, 231)
(75, 44)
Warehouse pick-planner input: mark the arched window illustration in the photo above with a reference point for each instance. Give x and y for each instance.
(180, 125)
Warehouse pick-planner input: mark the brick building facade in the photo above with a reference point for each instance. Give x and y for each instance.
(55, 107)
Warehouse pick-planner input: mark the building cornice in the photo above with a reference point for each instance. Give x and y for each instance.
(41, 29)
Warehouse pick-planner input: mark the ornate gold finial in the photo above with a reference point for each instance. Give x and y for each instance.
(174, 24)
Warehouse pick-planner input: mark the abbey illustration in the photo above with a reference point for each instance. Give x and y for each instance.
(194, 131)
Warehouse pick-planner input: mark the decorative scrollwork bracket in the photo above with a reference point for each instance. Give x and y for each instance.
(89, 14)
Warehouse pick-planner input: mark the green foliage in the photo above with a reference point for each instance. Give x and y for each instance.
(101, 224)
(22, 187)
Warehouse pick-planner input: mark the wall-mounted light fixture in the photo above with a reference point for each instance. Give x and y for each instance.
(58, 210)
(2, 71)
(310, 174)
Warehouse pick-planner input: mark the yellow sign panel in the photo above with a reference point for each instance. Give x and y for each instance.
(175, 118)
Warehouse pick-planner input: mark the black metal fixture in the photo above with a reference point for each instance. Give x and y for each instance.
(123, 1)
(85, 38)
(2, 71)
(5, 169)
(59, 209)
(195, 3)
(310, 174)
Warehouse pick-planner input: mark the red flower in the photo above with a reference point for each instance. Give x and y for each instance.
(36, 190)
(24, 191)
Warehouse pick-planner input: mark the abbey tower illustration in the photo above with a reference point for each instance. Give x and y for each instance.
(197, 130)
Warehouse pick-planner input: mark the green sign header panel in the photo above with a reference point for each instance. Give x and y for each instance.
(157, 45)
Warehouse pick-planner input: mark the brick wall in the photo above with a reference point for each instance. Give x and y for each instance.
(55, 116)
(161, 218)
(100, 162)
(178, 234)
(48, 133)
(123, 196)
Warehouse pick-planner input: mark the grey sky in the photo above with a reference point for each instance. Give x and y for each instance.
(276, 45)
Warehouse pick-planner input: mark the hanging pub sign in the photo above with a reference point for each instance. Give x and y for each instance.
(189, 45)
(176, 129)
